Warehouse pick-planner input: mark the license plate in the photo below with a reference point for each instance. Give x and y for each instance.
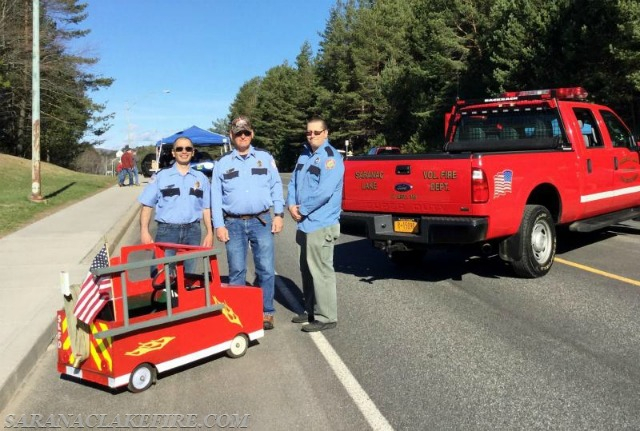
(406, 226)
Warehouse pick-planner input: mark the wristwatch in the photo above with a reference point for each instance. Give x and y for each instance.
(279, 215)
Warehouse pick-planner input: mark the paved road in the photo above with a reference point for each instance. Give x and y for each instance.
(456, 343)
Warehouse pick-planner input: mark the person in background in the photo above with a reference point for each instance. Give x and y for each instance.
(245, 185)
(127, 167)
(314, 202)
(181, 197)
(134, 171)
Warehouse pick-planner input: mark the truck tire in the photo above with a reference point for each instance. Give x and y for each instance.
(537, 243)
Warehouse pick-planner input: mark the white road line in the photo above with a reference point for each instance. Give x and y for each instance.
(355, 391)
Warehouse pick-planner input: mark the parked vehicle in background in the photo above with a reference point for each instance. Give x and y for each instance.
(378, 151)
(513, 168)
(146, 165)
(202, 161)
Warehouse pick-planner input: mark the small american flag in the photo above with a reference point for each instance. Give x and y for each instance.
(94, 290)
(502, 183)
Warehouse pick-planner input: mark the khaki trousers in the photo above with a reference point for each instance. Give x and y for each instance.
(318, 275)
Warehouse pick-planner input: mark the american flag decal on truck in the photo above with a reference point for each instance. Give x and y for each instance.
(502, 183)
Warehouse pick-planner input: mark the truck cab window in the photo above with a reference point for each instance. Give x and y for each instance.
(588, 128)
(620, 136)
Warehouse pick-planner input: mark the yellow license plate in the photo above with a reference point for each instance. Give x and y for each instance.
(406, 226)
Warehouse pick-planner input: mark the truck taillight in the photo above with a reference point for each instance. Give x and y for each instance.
(479, 186)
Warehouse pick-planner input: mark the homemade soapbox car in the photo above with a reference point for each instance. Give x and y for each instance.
(140, 333)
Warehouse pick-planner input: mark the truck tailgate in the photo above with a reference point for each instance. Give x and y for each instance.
(437, 184)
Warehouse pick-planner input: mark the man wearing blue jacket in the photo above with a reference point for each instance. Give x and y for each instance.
(314, 199)
(245, 185)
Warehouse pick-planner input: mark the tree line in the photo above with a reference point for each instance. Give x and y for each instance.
(388, 70)
(70, 120)
(385, 73)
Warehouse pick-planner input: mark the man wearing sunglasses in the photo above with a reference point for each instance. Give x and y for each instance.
(314, 202)
(181, 197)
(245, 185)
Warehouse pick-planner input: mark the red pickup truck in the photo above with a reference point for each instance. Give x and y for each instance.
(513, 168)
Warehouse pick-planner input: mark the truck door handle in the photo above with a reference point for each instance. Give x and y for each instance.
(403, 170)
(588, 166)
(615, 163)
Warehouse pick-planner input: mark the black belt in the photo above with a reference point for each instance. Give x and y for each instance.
(179, 224)
(248, 216)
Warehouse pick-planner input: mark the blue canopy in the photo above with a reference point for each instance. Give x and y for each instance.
(197, 135)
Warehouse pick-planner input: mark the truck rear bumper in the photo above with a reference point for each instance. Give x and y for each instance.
(432, 229)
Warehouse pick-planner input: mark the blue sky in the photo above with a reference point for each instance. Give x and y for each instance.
(181, 63)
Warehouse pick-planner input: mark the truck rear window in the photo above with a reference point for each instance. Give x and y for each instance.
(501, 129)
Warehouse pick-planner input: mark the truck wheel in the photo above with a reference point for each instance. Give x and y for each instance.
(142, 378)
(537, 242)
(239, 346)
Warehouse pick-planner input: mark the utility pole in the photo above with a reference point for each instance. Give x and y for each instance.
(36, 189)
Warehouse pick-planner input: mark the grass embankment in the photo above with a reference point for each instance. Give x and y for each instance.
(60, 187)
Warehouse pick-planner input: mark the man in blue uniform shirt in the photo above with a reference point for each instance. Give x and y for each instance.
(245, 185)
(314, 201)
(181, 197)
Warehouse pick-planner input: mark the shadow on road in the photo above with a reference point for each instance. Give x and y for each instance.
(569, 241)
(359, 258)
(289, 295)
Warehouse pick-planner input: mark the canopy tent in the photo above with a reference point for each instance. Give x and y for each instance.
(198, 136)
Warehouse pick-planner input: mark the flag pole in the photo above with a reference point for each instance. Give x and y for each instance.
(112, 296)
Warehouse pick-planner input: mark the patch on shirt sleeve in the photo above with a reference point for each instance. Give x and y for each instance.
(330, 164)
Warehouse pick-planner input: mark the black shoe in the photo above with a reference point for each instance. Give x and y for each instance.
(300, 318)
(316, 325)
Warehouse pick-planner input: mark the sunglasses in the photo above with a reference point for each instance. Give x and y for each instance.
(181, 149)
(315, 132)
(242, 133)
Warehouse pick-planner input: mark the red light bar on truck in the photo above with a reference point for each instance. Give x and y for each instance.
(572, 93)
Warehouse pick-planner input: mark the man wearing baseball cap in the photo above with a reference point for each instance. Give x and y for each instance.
(245, 185)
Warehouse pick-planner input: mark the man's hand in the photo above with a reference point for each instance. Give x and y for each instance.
(145, 237)
(294, 210)
(276, 224)
(222, 234)
(207, 241)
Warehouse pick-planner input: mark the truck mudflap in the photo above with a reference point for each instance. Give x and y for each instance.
(415, 229)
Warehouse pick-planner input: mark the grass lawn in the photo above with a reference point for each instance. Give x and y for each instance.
(59, 187)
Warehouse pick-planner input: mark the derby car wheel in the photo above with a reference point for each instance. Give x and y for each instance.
(537, 242)
(239, 346)
(142, 378)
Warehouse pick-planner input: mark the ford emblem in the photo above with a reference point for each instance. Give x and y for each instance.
(403, 187)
